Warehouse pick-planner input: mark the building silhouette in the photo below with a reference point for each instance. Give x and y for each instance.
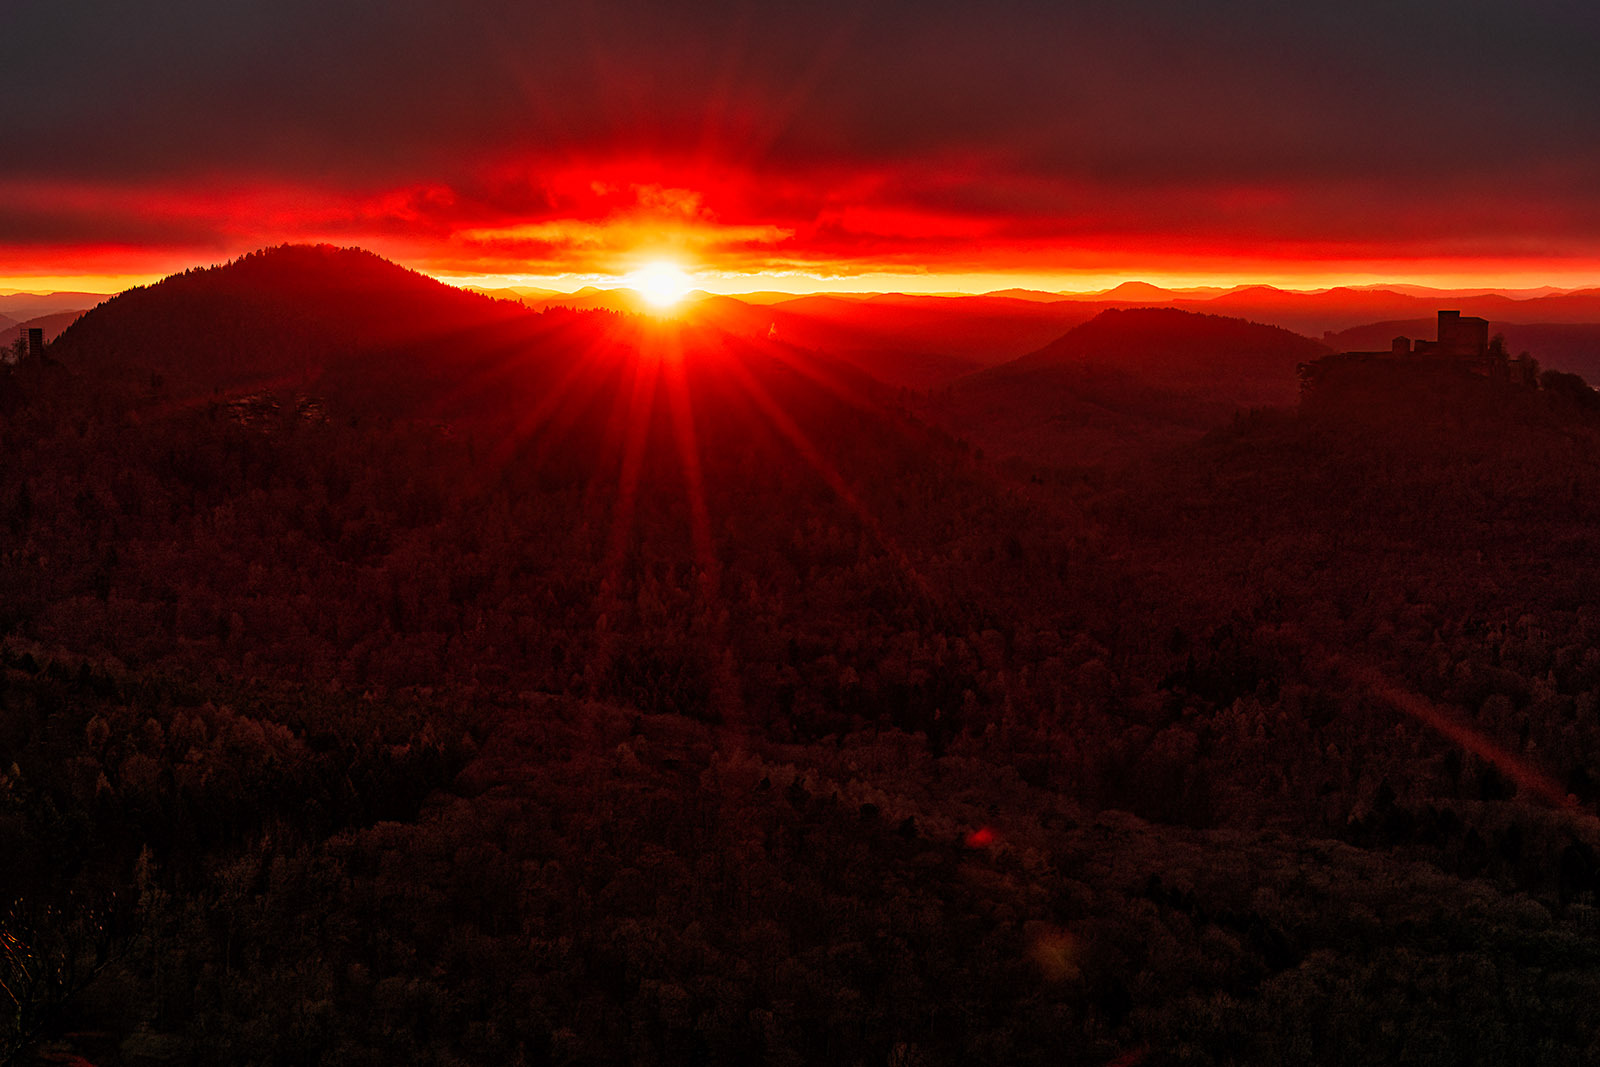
(1462, 345)
(29, 345)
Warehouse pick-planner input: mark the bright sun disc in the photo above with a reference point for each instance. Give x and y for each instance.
(661, 284)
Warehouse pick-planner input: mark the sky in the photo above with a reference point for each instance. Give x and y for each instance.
(767, 144)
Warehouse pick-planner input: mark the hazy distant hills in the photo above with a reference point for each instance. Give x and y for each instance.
(19, 306)
(523, 293)
(1308, 312)
(1344, 308)
(52, 325)
(1124, 384)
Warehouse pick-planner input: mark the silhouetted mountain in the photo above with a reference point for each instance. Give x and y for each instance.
(1242, 363)
(1310, 313)
(295, 315)
(1132, 292)
(1124, 384)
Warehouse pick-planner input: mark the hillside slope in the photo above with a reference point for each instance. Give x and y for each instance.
(280, 316)
(1124, 384)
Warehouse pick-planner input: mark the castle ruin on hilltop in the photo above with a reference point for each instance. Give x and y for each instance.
(1462, 345)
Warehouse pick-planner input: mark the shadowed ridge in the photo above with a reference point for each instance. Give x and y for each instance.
(1124, 384)
(1170, 343)
(286, 312)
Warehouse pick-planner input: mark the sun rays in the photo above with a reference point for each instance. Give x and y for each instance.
(630, 397)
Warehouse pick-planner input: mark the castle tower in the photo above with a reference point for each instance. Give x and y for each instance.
(1464, 336)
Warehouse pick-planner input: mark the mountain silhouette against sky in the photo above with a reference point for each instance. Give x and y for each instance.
(287, 315)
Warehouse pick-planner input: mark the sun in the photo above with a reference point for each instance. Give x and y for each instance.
(662, 283)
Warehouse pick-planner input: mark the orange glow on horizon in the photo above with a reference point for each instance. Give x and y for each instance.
(1315, 278)
(800, 283)
(669, 282)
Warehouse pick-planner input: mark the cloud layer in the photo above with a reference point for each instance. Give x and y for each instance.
(489, 136)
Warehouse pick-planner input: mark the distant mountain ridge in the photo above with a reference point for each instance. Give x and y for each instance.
(1343, 308)
(19, 306)
(52, 325)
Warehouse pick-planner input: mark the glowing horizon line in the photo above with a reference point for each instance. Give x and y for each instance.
(865, 283)
(721, 283)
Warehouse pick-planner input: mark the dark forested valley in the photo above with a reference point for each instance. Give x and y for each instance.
(390, 674)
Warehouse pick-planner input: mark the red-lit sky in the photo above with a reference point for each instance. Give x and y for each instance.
(770, 144)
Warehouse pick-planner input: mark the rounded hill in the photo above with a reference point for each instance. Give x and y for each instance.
(285, 315)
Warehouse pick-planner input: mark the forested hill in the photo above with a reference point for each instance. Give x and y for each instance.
(278, 316)
(1123, 385)
(1180, 348)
